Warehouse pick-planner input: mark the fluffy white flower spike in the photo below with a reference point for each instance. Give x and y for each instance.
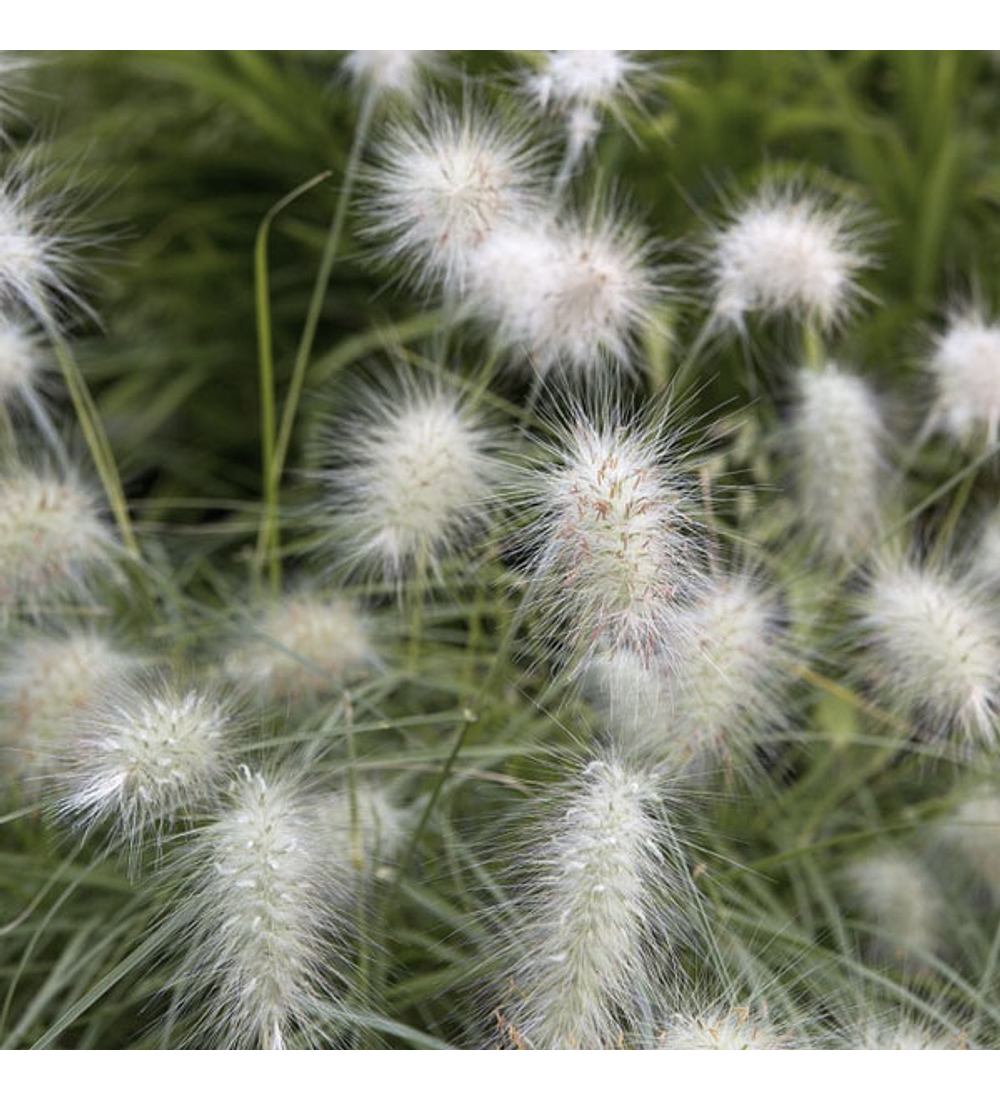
(611, 544)
(973, 830)
(965, 367)
(722, 1028)
(360, 831)
(145, 757)
(704, 703)
(895, 893)
(934, 650)
(573, 293)
(304, 646)
(580, 84)
(838, 442)
(254, 913)
(413, 480)
(591, 913)
(36, 248)
(440, 188)
(52, 539)
(47, 682)
(786, 253)
(388, 72)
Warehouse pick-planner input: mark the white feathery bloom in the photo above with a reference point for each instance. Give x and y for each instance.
(965, 368)
(573, 293)
(440, 187)
(973, 830)
(20, 360)
(589, 78)
(388, 72)
(899, 1034)
(52, 538)
(723, 1028)
(304, 645)
(837, 440)
(705, 702)
(47, 681)
(36, 246)
(895, 893)
(611, 550)
(144, 757)
(413, 479)
(786, 252)
(253, 916)
(591, 913)
(933, 650)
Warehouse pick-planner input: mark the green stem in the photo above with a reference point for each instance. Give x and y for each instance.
(267, 544)
(94, 434)
(690, 360)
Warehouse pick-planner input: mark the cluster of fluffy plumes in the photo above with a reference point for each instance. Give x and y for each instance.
(838, 440)
(412, 479)
(786, 253)
(932, 650)
(21, 361)
(600, 905)
(965, 368)
(255, 918)
(459, 201)
(144, 756)
(304, 646)
(704, 702)
(612, 548)
(52, 539)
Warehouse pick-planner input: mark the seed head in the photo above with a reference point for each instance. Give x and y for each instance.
(724, 1028)
(413, 480)
(965, 368)
(895, 893)
(591, 912)
(144, 757)
(252, 911)
(611, 548)
(304, 646)
(388, 72)
(573, 294)
(838, 441)
(440, 188)
(934, 650)
(52, 539)
(47, 682)
(361, 831)
(589, 78)
(973, 830)
(785, 252)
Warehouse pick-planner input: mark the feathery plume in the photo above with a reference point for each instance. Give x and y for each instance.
(725, 1028)
(442, 185)
(786, 252)
(252, 913)
(388, 72)
(572, 293)
(47, 682)
(304, 646)
(611, 548)
(933, 650)
(838, 441)
(360, 831)
(973, 830)
(895, 893)
(52, 539)
(965, 368)
(20, 361)
(413, 478)
(143, 757)
(601, 878)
